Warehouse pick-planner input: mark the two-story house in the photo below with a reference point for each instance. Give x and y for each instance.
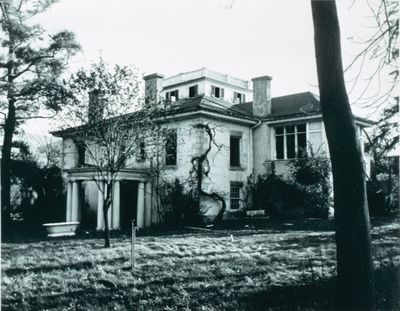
(250, 128)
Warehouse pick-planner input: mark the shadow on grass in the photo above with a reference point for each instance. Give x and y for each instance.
(320, 295)
(82, 265)
(317, 295)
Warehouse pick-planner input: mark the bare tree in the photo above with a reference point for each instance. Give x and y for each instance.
(113, 125)
(374, 69)
(354, 259)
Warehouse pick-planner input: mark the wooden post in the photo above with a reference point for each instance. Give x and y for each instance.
(133, 240)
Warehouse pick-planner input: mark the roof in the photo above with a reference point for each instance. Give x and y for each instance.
(293, 105)
(283, 107)
(289, 105)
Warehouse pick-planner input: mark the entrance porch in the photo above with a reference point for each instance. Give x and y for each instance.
(131, 198)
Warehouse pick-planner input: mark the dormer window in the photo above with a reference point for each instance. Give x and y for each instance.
(193, 90)
(238, 97)
(172, 95)
(217, 91)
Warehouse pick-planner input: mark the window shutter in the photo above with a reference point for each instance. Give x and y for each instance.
(213, 90)
(221, 92)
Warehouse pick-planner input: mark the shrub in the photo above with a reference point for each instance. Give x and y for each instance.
(182, 207)
(277, 196)
(312, 174)
(306, 192)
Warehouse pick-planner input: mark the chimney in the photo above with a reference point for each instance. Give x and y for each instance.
(262, 96)
(153, 85)
(95, 108)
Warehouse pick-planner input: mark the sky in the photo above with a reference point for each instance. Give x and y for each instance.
(243, 38)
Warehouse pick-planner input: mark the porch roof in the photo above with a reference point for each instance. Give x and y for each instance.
(92, 173)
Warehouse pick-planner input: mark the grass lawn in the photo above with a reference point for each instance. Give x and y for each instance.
(254, 268)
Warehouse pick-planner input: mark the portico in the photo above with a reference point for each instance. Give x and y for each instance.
(140, 184)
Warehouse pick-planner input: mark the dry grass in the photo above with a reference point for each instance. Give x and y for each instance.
(220, 270)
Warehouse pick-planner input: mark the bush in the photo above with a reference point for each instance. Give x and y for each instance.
(277, 196)
(182, 208)
(306, 193)
(312, 174)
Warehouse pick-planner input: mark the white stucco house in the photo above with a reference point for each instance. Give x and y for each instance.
(254, 128)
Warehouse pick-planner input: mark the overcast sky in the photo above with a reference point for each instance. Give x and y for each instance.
(248, 39)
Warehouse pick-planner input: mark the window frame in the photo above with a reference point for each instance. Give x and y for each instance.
(239, 142)
(285, 136)
(196, 90)
(221, 92)
(141, 155)
(235, 200)
(172, 133)
(239, 98)
(169, 93)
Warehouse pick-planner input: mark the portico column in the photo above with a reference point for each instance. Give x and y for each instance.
(100, 204)
(147, 219)
(69, 202)
(140, 205)
(75, 201)
(116, 206)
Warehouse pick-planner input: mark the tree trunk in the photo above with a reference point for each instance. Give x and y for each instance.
(9, 128)
(107, 205)
(106, 227)
(354, 260)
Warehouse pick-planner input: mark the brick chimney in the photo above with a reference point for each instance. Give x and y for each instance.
(153, 84)
(95, 108)
(262, 96)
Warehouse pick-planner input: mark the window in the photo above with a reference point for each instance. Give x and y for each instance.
(235, 196)
(193, 90)
(217, 91)
(141, 151)
(81, 154)
(172, 95)
(291, 141)
(170, 148)
(238, 97)
(235, 151)
(315, 138)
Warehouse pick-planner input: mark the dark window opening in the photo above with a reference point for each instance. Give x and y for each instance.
(291, 141)
(81, 154)
(172, 95)
(142, 151)
(217, 91)
(193, 90)
(170, 148)
(239, 97)
(235, 151)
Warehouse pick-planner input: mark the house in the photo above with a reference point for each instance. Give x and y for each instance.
(250, 127)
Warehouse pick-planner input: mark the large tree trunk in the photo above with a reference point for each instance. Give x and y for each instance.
(354, 260)
(9, 128)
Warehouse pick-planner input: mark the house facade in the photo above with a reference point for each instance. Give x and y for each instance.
(250, 129)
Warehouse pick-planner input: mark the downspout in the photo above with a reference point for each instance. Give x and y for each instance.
(259, 122)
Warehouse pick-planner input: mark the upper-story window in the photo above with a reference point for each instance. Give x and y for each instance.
(171, 147)
(238, 97)
(234, 151)
(291, 141)
(81, 154)
(315, 138)
(217, 91)
(141, 152)
(193, 90)
(172, 95)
